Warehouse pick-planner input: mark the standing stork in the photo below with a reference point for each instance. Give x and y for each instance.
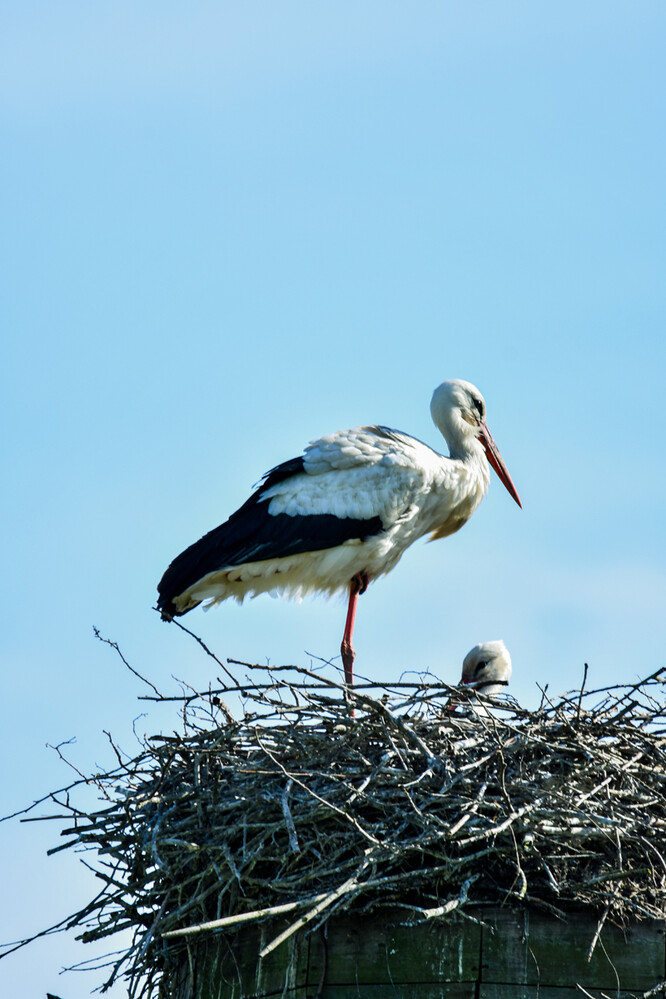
(343, 513)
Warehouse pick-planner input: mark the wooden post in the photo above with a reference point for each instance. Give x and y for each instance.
(519, 953)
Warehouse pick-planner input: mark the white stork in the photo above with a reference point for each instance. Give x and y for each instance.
(343, 513)
(487, 667)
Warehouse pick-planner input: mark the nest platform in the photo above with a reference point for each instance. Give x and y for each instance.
(428, 804)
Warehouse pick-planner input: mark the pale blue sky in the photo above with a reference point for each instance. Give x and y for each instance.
(229, 228)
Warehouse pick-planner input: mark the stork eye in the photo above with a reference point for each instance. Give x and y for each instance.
(479, 406)
(480, 666)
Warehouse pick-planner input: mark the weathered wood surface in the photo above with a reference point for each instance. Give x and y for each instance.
(548, 992)
(518, 953)
(534, 949)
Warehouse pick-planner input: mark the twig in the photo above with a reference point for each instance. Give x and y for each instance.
(291, 828)
(582, 688)
(203, 645)
(302, 921)
(114, 645)
(597, 933)
(241, 917)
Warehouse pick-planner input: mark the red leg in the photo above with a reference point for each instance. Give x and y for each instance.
(358, 585)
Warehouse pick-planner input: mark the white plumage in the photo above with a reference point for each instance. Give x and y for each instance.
(487, 667)
(343, 513)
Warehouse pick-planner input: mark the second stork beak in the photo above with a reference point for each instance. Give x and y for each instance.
(495, 459)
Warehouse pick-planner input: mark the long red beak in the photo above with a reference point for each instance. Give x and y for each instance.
(495, 459)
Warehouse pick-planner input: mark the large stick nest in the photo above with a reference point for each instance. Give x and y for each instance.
(416, 802)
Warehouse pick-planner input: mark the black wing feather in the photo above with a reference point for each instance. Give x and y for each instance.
(252, 534)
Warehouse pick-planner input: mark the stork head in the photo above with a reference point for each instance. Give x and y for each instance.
(459, 412)
(487, 667)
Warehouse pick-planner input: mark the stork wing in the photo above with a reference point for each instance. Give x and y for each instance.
(257, 532)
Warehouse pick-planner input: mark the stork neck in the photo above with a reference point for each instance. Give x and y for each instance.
(485, 684)
(467, 448)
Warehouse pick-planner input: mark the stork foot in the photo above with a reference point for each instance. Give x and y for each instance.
(348, 657)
